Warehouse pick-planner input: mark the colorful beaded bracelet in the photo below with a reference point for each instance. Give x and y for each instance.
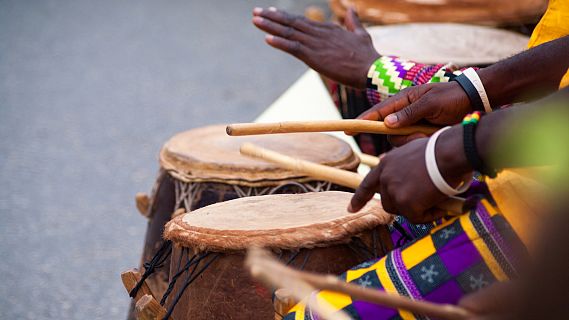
(470, 123)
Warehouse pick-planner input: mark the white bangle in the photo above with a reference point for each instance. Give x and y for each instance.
(433, 169)
(477, 83)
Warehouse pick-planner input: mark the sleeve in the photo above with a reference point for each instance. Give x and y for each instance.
(388, 75)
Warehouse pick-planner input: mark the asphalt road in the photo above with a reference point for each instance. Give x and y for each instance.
(89, 91)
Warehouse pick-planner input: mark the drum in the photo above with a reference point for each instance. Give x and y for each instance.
(203, 166)
(486, 12)
(311, 231)
(428, 43)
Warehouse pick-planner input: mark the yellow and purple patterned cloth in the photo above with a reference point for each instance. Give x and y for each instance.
(460, 256)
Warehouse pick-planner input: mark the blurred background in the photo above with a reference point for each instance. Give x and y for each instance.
(89, 92)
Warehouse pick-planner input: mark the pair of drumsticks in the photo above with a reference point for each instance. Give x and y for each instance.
(267, 269)
(318, 171)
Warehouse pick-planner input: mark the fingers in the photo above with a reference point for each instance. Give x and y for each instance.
(279, 30)
(386, 200)
(387, 107)
(290, 46)
(353, 23)
(419, 106)
(286, 19)
(366, 190)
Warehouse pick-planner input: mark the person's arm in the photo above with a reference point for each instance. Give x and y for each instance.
(341, 54)
(404, 183)
(533, 73)
(345, 55)
(530, 74)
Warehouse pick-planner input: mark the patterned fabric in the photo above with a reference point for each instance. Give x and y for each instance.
(388, 75)
(460, 256)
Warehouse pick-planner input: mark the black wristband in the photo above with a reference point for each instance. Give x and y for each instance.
(471, 151)
(471, 92)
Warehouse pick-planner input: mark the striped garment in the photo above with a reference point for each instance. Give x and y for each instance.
(462, 255)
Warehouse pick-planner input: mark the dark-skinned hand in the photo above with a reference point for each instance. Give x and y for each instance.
(402, 180)
(343, 55)
(435, 103)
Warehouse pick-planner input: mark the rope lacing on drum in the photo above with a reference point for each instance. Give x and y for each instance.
(192, 275)
(149, 267)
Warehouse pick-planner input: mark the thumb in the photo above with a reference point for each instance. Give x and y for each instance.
(353, 23)
(406, 116)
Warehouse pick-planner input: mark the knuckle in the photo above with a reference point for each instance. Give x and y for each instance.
(408, 113)
(288, 32)
(295, 47)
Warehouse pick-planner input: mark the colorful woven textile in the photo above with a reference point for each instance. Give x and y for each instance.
(388, 75)
(460, 256)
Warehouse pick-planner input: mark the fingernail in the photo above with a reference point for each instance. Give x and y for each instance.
(391, 119)
(257, 10)
(350, 209)
(257, 19)
(269, 37)
(272, 9)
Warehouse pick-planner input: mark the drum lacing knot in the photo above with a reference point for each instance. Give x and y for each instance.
(155, 263)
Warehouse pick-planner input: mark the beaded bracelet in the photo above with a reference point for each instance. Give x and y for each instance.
(470, 123)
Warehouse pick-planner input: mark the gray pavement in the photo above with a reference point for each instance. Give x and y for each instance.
(89, 91)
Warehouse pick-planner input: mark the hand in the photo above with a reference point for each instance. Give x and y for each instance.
(339, 54)
(437, 103)
(404, 183)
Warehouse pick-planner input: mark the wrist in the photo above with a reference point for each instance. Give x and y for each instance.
(449, 152)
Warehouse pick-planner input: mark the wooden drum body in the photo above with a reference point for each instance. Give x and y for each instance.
(203, 166)
(311, 231)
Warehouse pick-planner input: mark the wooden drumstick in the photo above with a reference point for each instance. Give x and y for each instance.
(367, 126)
(265, 267)
(322, 172)
(368, 160)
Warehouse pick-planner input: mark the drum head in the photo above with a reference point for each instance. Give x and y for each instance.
(209, 154)
(486, 12)
(433, 43)
(284, 221)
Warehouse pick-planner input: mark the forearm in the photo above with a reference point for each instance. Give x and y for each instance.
(530, 74)
(509, 138)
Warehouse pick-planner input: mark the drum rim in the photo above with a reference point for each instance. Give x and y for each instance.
(272, 175)
(337, 231)
(530, 13)
(460, 61)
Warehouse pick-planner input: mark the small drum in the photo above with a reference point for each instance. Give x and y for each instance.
(486, 12)
(311, 231)
(203, 166)
(428, 43)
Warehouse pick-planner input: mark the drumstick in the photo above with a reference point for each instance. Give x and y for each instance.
(266, 268)
(367, 126)
(262, 267)
(322, 172)
(368, 160)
